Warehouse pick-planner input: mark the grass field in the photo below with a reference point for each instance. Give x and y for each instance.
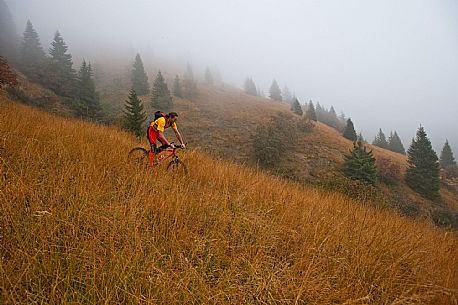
(80, 225)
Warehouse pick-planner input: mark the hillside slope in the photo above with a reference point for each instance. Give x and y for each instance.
(80, 225)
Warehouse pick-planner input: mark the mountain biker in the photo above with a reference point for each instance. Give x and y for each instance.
(156, 132)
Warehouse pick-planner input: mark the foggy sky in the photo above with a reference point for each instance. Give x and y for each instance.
(389, 64)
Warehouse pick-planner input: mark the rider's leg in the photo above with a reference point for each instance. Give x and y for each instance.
(152, 137)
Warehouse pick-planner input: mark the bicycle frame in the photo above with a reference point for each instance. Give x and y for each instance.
(163, 155)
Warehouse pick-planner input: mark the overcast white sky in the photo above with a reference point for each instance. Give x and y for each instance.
(390, 64)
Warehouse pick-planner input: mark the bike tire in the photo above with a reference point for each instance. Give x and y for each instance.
(138, 155)
(177, 168)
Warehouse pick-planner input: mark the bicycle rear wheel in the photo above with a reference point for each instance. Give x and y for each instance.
(138, 155)
(176, 167)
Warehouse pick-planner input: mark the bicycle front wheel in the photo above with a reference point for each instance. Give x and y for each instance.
(177, 167)
(138, 155)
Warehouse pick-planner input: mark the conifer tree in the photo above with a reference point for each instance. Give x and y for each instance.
(134, 115)
(395, 144)
(287, 96)
(8, 38)
(208, 76)
(446, 158)
(296, 107)
(177, 90)
(360, 164)
(89, 104)
(161, 99)
(349, 132)
(7, 77)
(422, 174)
(189, 85)
(360, 138)
(275, 92)
(61, 77)
(250, 87)
(380, 140)
(139, 77)
(32, 58)
(319, 112)
(310, 114)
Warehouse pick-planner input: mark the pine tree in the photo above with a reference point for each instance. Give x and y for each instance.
(7, 77)
(177, 90)
(360, 164)
(446, 158)
(296, 107)
(250, 87)
(8, 36)
(189, 85)
(134, 115)
(61, 76)
(311, 114)
(395, 144)
(422, 174)
(89, 104)
(139, 77)
(380, 140)
(161, 99)
(349, 132)
(275, 93)
(208, 76)
(32, 58)
(287, 96)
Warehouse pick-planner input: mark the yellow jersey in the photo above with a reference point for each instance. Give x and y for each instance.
(161, 124)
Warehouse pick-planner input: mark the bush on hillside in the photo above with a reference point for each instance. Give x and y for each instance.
(387, 171)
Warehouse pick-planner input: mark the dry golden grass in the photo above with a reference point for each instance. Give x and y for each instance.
(79, 225)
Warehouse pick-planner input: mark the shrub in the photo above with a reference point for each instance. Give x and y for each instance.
(387, 171)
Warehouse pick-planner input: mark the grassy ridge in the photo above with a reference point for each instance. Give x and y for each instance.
(78, 224)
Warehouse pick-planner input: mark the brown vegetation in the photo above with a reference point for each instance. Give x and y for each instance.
(78, 224)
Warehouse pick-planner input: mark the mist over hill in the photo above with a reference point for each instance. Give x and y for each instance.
(392, 75)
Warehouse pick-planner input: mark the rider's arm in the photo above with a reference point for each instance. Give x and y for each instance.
(179, 137)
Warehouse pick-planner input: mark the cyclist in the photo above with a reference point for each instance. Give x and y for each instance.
(156, 132)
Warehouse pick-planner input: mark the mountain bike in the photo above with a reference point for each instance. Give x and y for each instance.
(142, 156)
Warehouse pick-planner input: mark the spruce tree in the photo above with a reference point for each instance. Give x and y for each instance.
(32, 58)
(360, 164)
(296, 107)
(61, 76)
(89, 104)
(446, 158)
(189, 85)
(422, 174)
(275, 92)
(395, 144)
(349, 132)
(8, 38)
(177, 90)
(250, 87)
(139, 77)
(134, 115)
(380, 140)
(310, 114)
(208, 76)
(161, 99)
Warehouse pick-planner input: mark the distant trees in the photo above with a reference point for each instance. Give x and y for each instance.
(61, 77)
(32, 58)
(176, 89)
(208, 76)
(88, 104)
(7, 77)
(380, 140)
(296, 107)
(360, 164)
(250, 87)
(161, 99)
(422, 174)
(189, 85)
(275, 92)
(139, 78)
(349, 131)
(310, 113)
(287, 96)
(447, 161)
(8, 38)
(395, 143)
(134, 114)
